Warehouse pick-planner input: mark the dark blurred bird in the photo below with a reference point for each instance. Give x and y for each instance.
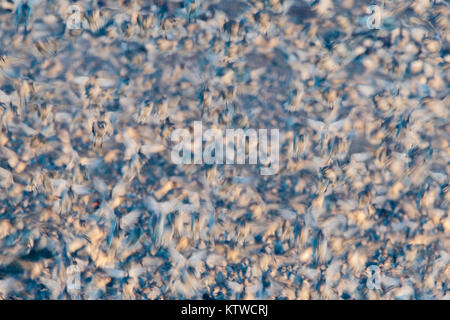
(192, 7)
(145, 22)
(23, 13)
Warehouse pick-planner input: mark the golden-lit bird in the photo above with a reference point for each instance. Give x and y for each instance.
(331, 97)
(145, 110)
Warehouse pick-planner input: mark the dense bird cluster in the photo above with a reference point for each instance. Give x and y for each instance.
(88, 101)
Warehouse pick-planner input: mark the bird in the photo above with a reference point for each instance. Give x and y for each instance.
(100, 129)
(6, 178)
(192, 8)
(327, 132)
(205, 98)
(300, 145)
(294, 102)
(23, 13)
(145, 110)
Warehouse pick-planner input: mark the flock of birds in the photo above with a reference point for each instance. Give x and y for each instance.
(86, 176)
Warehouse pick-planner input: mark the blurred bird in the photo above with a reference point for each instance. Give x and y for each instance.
(25, 89)
(5, 115)
(145, 22)
(100, 129)
(23, 13)
(331, 97)
(46, 48)
(161, 109)
(294, 102)
(263, 20)
(9, 63)
(192, 8)
(165, 129)
(167, 24)
(327, 132)
(300, 146)
(145, 110)
(233, 28)
(6, 178)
